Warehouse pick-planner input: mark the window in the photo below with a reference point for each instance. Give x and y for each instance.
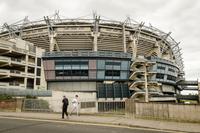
(59, 73)
(112, 73)
(160, 76)
(38, 72)
(71, 65)
(172, 78)
(88, 104)
(113, 63)
(72, 73)
(37, 81)
(171, 70)
(59, 67)
(38, 61)
(161, 67)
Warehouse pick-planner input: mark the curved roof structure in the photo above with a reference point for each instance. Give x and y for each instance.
(79, 34)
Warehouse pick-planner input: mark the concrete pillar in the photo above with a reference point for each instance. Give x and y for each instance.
(157, 49)
(19, 102)
(26, 71)
(95, 33)
(146, 83)
(35, 71)
(133, 45)
(124, 38)
(199, 90)
(95, 37)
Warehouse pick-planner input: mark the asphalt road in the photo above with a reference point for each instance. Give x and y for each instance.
(8, 125)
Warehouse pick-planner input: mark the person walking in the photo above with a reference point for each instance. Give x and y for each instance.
(75, 104)
(64, 107)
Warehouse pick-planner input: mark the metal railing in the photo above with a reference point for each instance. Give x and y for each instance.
(86, 54)
(25, 92)
(38, 105)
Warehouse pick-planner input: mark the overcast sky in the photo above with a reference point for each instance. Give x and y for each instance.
(181, 17)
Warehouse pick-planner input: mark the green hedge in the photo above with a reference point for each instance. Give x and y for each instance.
(5, 97)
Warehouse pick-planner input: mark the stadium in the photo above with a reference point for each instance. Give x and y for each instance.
(104, 60)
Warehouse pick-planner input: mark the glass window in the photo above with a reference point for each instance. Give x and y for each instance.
(37, 81)
(123, 75)
(112, 73)
(59, 67)
(124, 65)
(101, 64)
(38, 72)
(171, 70)
(161, 67)
(59, 73)
(67, 67)
(100, 74)
(172, 78)
(160, 76)
(38, 61)
(84, 67)
(67, 73)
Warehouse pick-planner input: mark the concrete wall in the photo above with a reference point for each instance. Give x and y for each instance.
(56, 101)
(72, 86)
(165, 111)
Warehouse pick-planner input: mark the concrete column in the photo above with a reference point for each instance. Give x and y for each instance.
(95, 37)
(157, 49)
(95, 33)
(133, 45)
(26, 71)
(146, 83)
(19, 102)
(124, 38)
(35, 71)
(199, 90)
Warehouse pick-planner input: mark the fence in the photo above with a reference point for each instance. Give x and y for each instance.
(111, 107)
(38, 105)
(178, 112)
(86, 106)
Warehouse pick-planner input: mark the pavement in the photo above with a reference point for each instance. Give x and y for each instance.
(109, 120)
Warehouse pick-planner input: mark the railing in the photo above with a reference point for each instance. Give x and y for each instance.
(87, 54)
(4, 71)
(35, 105)
(111, 107)
(5, 59)
(24, 92)
(161, 60)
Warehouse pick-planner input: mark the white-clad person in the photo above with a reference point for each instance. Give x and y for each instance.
(75, 105)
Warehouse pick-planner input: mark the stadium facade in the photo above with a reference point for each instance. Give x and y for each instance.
(103, 60)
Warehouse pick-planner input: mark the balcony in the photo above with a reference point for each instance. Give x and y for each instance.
(4, 72)
(30, 75)
(14, 73)
(18, 61)
(5, 59)
(11, 85)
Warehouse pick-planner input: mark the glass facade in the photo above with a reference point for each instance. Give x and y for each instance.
(166, 72)
(117, 90)
(89, 69)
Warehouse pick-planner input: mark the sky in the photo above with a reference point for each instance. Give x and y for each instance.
(181, 17)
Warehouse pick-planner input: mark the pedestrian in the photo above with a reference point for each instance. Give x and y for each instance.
(75, 104)
(64, 107)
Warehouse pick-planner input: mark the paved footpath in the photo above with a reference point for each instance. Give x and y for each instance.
(110, 120)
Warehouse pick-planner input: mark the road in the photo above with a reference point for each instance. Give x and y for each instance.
(14, 125)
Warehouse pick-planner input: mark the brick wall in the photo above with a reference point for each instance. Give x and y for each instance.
(8, 105)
